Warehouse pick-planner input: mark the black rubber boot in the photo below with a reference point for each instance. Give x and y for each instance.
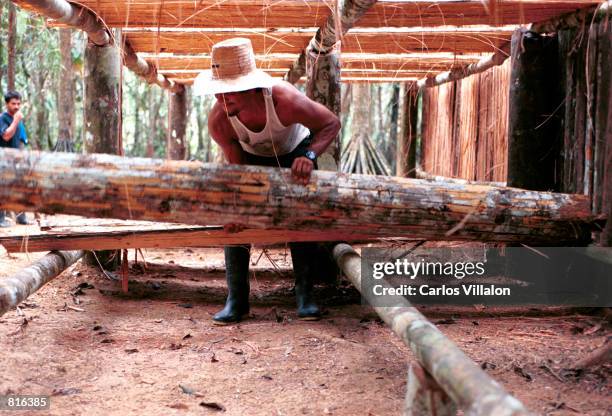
(237, 274)
(302, 255)
(4, 222)
(22, 219)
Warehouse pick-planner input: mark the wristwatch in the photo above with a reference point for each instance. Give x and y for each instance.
(310, 155)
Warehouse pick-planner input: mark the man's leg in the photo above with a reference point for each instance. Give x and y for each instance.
(237, 274)
(22, 219)
(303, 256)
(4, 222)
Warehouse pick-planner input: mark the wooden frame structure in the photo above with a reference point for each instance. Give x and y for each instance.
(183, 31)
(289, 37)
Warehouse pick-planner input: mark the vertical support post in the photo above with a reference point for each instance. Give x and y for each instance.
(406, 149)
(102, 99)
(177, 125)
(534, 139)
(424, 396)
(102, 117)
(12, 41)
(323, 86)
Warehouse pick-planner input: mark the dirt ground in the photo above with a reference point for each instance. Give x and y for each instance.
(155, 350)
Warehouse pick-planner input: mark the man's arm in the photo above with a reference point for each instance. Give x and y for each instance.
(10, 130)
(294, 107)
(223, 133)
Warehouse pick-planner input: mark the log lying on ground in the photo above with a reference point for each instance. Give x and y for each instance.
(16, 289)
(266, 198)
(465, 382)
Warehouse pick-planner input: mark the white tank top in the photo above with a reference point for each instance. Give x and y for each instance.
(275, 139)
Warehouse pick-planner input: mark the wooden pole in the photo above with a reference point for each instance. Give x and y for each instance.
(460, 72)
(320, 61)
(573, 20)
(102, 117)
(65, 111)
(570, 20)
(78, 17)
(337, 24)
(12, 40)
(265, 198)
(323, 86)
(16, 289)
(425, 397)
(102, 83)
(470, 388)
(406, 150)
(534, 136)
(176, 148)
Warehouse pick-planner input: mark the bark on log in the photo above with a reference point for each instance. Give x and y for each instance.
(71, 15)
(573, 20)
(349, 11)
(458, 73)
(465, 382)
(406, 152)
(102, 118)
(15, 289)
(12, 43)
(175, 144)
(102, 82)
(424, 397)
(323, 86)
(437, 178)
(108, 186)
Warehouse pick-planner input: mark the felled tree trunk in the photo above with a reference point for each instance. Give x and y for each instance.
(265, 198)
(15, 289)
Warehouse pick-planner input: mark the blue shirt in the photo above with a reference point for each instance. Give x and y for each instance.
(20, 134)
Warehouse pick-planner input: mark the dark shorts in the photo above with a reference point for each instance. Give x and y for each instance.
(283, 161)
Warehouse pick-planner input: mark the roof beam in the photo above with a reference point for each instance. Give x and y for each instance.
(313, 13)
(83, 19)
(395, 41)
(349, 11)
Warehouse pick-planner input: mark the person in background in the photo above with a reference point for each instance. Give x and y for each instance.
(12, 135)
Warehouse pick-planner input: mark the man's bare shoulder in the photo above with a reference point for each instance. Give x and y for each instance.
(288, 101)
(284, 91)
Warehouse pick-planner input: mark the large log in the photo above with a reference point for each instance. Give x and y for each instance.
(470, 388)
(16, 289)
(265, 198)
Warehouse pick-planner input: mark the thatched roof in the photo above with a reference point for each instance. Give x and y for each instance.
(394, 40)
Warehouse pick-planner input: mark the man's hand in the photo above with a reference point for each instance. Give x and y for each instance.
(301, 169)
(18, 116)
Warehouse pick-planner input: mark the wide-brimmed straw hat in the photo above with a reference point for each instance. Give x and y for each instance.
(232, 69)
